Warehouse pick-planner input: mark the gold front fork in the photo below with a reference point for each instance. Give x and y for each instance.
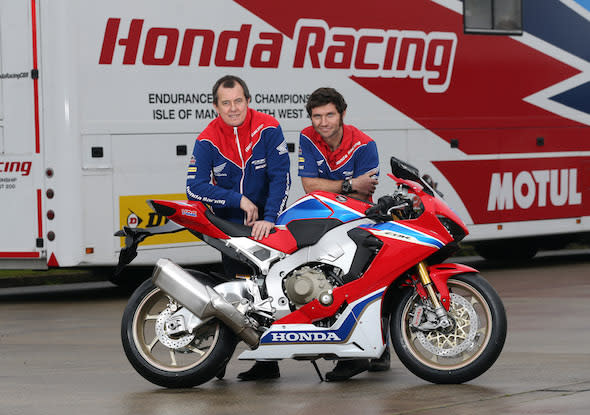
(427, 283)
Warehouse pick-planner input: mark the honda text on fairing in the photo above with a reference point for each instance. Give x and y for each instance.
(324, 284)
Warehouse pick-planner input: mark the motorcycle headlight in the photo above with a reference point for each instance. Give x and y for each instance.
(455, 230)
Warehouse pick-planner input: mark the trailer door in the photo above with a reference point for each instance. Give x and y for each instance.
(21, 170)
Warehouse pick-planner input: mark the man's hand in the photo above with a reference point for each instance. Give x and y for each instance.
(261, 229)
(366, 183)
(250, 209)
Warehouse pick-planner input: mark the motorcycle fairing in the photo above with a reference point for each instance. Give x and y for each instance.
(324, 205)
(440, 273)
(401, 232)
(356, 333)
(334, 248)
(188, 213)
(308, 232)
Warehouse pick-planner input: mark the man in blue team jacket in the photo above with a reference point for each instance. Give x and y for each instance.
(238, 159)
(339, 158)
(240, 166)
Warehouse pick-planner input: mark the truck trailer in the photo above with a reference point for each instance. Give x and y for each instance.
(100, 104)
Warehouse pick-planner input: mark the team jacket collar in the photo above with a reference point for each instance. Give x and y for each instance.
(243, 129)
(228, 146)
(342, 154)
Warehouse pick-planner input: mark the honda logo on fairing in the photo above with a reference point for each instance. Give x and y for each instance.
(305, 337)
(315, 45)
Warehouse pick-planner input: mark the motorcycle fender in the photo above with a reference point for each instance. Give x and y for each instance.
(440, 273)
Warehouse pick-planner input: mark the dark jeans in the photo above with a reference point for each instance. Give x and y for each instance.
(231, 267)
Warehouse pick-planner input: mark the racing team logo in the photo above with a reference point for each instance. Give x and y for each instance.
(134, 212)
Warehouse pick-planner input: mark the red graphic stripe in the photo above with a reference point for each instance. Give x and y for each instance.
(39, 214)
(35, 81)
(19, 254)
(483, 107)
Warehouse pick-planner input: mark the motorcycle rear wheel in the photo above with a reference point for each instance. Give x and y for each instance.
(469, 349)
(178, 362)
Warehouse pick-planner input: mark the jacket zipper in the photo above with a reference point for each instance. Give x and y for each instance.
(241, 158)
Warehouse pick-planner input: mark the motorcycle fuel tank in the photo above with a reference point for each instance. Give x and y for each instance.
(324, 205)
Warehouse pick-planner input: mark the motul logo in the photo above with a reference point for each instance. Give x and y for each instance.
(535, 188)
(366, 52)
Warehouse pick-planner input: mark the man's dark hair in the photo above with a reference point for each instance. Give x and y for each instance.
(324, 96)
(229, 81)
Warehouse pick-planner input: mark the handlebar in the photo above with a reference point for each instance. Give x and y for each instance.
(390, 204)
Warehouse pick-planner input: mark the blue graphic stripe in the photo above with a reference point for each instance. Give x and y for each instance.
(412, 233)
(309, 209)
(314, 209)
(556, 23)
(584, 3)
(330, 336)
(577, 98)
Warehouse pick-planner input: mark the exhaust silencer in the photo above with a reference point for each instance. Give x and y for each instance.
(202, 300)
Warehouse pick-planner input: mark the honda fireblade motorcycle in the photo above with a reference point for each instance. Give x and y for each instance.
(334, 272)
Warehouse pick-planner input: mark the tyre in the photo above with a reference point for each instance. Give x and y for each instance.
(173, 362)
(465, 350)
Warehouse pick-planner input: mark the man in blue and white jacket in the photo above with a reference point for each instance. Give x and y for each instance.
(334, 156)
(240, 162)
(339, 158)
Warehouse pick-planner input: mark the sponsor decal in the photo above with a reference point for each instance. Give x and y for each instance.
(338, 335)
(397, 53)
(136, 213)
(521, 189)
(18, 75)
(22, 167)
(191, 213)
(257, 130)
(540, 187)
(217, 170)
(133, 220)
(401, 232)
(283, 148)
(303, 336)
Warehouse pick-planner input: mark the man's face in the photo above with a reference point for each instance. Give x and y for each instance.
(327, 122)
(232, 105)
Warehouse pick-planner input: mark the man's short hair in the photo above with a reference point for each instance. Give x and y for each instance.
(324, 96)
(229, 81)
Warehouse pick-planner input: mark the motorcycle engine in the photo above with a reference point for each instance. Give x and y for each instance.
(307, 284)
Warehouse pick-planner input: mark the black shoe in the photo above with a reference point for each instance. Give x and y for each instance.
(346, 369)
(221, 374)
(382, 364)
(261, 370)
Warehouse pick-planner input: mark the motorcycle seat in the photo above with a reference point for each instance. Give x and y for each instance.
(230, 228)
(307, 232)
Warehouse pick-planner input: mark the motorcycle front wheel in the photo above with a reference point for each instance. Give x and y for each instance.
(462, 352)
(171, 361)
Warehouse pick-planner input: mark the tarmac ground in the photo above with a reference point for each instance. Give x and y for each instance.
(60, 353)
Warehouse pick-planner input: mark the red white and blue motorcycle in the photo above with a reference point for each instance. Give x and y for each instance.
(324, 284)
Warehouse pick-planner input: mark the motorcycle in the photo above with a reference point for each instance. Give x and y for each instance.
(336, 278)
